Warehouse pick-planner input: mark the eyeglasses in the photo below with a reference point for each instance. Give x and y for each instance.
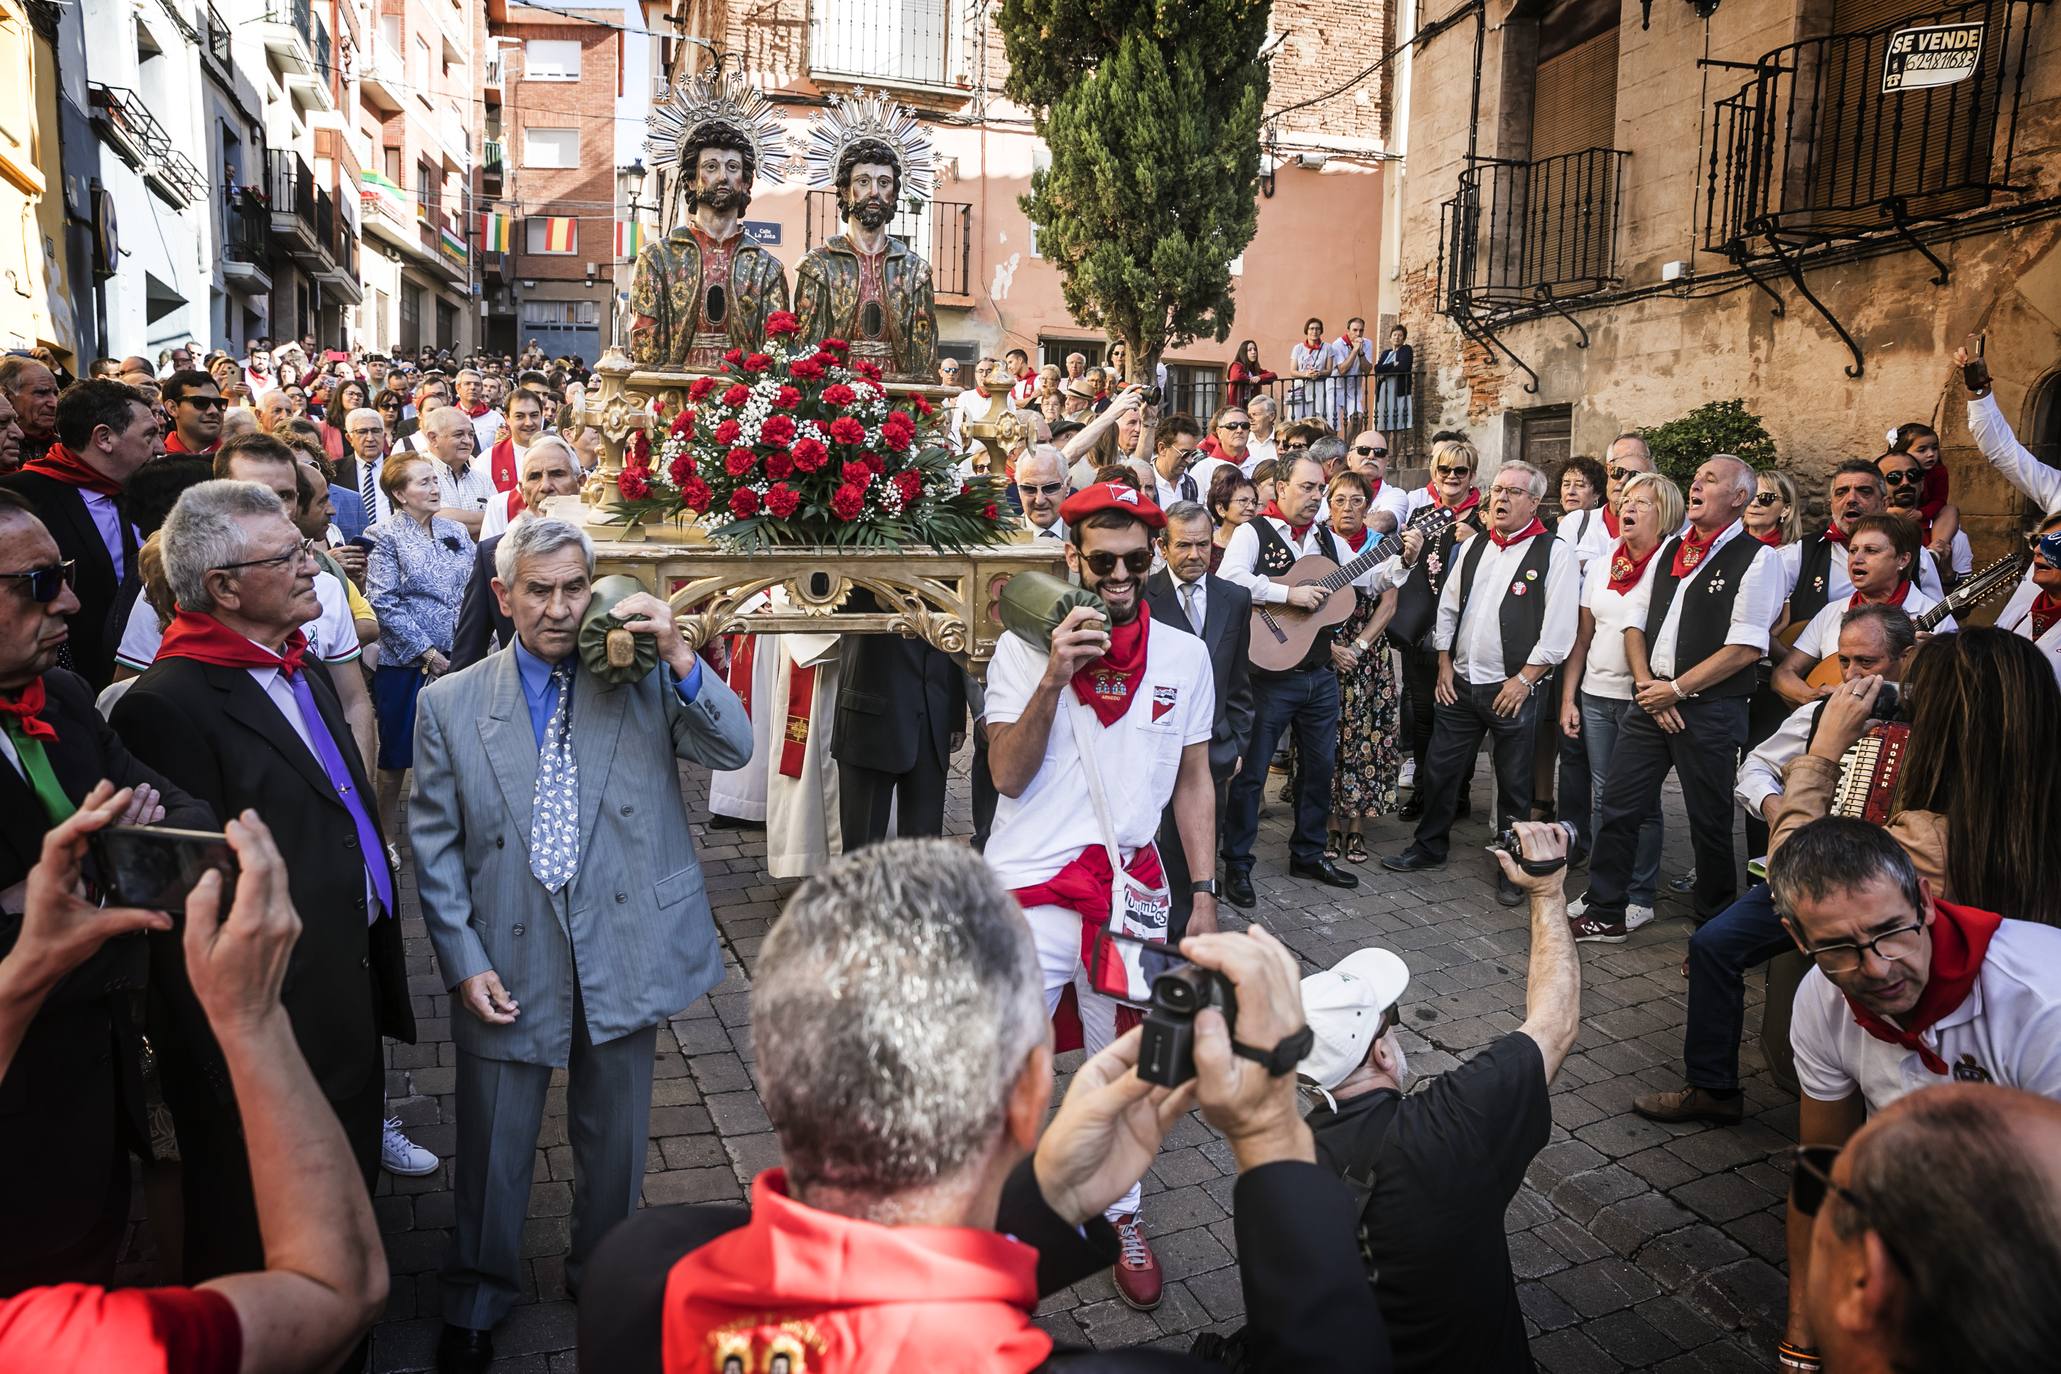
(1446, 470)
(1102, 563)
(1766, 498)
(1620, 474)
(304, 548)
(1042, 489)
(1186, 455)
(1369, 451)
(1499, 489)
(44, 581)
(1904, 477)
(1300, 447)
(1810, 1179)
(202, 402)
(1892, 947)
(1235, 424)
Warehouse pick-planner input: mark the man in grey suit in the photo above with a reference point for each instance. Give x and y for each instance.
(559, 883)
(1187, 594)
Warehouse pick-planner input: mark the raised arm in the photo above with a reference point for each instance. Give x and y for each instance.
(1553, 986)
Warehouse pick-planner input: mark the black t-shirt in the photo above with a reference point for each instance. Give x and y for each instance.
(1446, 1162)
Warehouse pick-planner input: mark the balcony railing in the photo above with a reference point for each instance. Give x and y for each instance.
(1522, 234)
(219, 36)
(909, 42)
(1855, 134)
(941, 233)
(134, 132)
(1394, 404)
(293, 188)
(248, 227)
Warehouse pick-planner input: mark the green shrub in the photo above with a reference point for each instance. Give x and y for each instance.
(1681, 446)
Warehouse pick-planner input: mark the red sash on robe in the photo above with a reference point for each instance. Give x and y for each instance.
(501, 459)
(1082, 887)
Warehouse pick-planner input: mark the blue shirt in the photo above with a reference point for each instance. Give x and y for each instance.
(349, 510)
(540, 697)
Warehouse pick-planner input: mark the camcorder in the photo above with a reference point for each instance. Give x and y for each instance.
(1170, 990)
(1538, 868)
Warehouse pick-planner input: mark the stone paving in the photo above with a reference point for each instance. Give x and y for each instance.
(1636, 1246)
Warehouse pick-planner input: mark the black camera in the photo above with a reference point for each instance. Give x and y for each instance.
(1166, 1048)
(1538, 868)
(1152, 395)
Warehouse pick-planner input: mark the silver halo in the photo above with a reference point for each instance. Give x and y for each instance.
(860, 115)
(728, 98)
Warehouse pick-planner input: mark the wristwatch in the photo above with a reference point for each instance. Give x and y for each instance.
(1203, 887)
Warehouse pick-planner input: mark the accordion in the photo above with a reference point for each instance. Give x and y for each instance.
(1868, 773)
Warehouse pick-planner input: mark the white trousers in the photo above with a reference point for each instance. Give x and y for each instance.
(1057, 932)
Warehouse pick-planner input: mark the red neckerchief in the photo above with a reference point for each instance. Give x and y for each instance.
(1473, 500)
(205, 639)
(477, 409)
(174, 444)
(1625, 569)
(26, 708)
(1109, 683)
(1960, 939)
(1301, 532)
(842, 1295)
(60, 464)
(1835, 534)
(1773, 538)
(1693, 548)
(2045, 611)
(1895, 597)
(1355, 542)
(1527, 532)
(1377, 484)
(1610, 523)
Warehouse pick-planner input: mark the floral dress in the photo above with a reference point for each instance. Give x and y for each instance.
(1370, 755)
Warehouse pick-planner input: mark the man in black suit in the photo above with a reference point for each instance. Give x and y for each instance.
(901, 705)
(242, 724)
(1185, 593)
(105, 431)
(887, 1179)
(71, 1104)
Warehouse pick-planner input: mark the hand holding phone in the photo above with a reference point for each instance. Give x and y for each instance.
(154, 867)
(60, 929)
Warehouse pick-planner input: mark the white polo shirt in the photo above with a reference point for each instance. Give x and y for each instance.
(1607, 672)
(2007, 1030)
(2017, 618)
(1820, 638)
(1139, 757)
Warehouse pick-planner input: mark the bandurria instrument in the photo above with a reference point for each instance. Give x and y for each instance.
(1282, 634)
(1978, 588)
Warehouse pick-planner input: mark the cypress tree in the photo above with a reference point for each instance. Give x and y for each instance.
(1151, 110)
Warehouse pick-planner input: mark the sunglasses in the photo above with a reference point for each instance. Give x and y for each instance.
(1102, 563)
(1620, 474)
(44, 581)
(202, 402)
(291, 558)
(1904, 477)
(1369, 451)
(1295, 448)
(1810, 1180)
(1766, 498)
(1235, 424)
(1444, 470)
(1045, 489)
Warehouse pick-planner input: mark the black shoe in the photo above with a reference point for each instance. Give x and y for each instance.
(462, 1350)
(1323, 871)
(1411, 810)
(1411, 860)
(718, 821)
(1238, 889)
(1507, 892)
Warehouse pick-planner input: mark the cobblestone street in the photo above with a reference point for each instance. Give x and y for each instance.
(1636, 1246)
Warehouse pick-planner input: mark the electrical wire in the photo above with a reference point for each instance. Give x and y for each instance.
(1423, 35)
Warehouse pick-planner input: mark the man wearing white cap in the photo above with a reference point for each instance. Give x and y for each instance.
(1435, 1171)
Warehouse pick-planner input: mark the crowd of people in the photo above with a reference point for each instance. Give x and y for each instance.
(278, 596)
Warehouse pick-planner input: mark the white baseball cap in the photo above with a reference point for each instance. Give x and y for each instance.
(1343, 1005)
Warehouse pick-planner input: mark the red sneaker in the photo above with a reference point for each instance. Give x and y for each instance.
(1136, 1273)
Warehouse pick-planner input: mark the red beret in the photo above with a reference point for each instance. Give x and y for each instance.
(1116, 496)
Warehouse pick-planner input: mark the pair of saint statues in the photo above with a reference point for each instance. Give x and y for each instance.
(707, 287)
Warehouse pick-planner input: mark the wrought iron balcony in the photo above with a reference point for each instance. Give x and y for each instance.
(941, 233)
(247, 245)
(1522, 234)
(298, 210)
(1857, 134)
(135, 134)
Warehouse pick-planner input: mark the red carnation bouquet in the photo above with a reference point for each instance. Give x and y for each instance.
(802, 445)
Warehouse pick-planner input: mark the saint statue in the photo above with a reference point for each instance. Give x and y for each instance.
(706, 288)
(865, 286)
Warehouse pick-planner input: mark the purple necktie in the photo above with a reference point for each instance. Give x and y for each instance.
(339, 775)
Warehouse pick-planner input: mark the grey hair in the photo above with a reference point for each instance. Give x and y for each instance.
(1837, 854)
(1273, 406)
(1537, 485)
(202, 534)
(896, 1001)
(1635, 437)
(1745, 481)
(535, 539)
(1899, 631)
(549, 440)
(1185, 510)
(366, 411)
(1044, 453)
(1326, 450)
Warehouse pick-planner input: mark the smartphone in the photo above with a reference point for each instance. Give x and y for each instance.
(1975, 372)
(1125, 967)
(154, 868)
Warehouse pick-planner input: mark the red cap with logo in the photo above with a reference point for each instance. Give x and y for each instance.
(1117, 496)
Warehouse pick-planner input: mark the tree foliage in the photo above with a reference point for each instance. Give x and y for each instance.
(1683, 445)
(1151, 110)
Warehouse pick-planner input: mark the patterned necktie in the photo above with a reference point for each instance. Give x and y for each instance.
(368, 490)
(1188, 488)
(555, 810)
(1188, 604)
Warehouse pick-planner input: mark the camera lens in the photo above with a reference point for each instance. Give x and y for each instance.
(1181, 990)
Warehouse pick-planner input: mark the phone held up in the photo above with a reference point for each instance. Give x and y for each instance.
(1170, 989)
(1975, 372)
(154, 868)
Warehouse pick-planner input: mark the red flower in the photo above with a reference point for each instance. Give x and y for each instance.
(845, 430)
(896, 440)
(633, 483)
(910, 485)
(855, 475)
(806, 369)
(777, 429)
(872, 460)
(779, 463)
(681, 470)
(734, 357)
(834, 346)
(869, 370)
(683, 424)
(847, 502)
(757, 362)
(839, 395)
(738, 461)
(923, 407)
(988, 511)
(782, 322)
(727, 432)
(744, 503)
(738, 393)
(782, 499)
(809, 454)
(787, 399)
(640, 449)
(696, 494)
(700, 387)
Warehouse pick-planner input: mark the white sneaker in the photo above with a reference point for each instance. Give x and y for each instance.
(1578, 906)
(400, 1155)
(1409, 774)
(1636, 916)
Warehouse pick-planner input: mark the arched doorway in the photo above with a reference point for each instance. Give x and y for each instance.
(2043, 434)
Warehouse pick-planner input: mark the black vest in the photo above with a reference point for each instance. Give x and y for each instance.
(1523, 614)
(1276, 557)
(1416, 603)
(1707, 616)
(1813, 580)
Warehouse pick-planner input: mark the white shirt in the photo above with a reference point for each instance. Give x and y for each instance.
(1475, 635)
(332, 634)
(1138, 758)
(1838, 585)
(487, 428)
(472, 489)
(967, 406)
(1257, 451)
(1606, 671)
(2009, 1027)
(497, 519)
(1590, 538)
(1754, 607)
(1204, 470)
(1241, 562)
(1760, 776)
(1054, 531)
(2017, 618)
(1820, 638)
(1992, 434)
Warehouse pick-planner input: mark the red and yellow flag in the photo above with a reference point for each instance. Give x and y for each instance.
(559, 234)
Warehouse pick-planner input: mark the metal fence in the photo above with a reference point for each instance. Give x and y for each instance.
(1521, 233)
(1394, 403)
(941, 233)
(908, 41)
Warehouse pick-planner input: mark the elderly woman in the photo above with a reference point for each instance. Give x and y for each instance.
(1047, 400)
(1774, 516)
(1370, 755)
(415, 574)
(1233, 500)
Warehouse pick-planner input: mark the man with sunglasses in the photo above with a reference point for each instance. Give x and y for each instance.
(1175, 465)
(73, 1113)
(1090, 741)
(2034, 609)
(1230, 432)
(195, 404)
(1903, 480)
(1814, 569)
(1909, 992)
(1368, 456)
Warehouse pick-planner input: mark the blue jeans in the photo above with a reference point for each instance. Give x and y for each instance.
(1306, 702)
(1601, 717)
(1746, 933)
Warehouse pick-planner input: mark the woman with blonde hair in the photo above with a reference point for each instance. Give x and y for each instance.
(1774, 516)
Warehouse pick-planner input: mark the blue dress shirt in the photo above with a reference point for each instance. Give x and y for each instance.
(539, 696)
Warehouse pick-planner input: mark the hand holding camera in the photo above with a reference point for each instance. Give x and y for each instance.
(1246, 1049)
(1534, 854)
(1106, 1132)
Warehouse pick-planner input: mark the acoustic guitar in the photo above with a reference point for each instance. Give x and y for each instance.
(1976, 589)
(1282, 635)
